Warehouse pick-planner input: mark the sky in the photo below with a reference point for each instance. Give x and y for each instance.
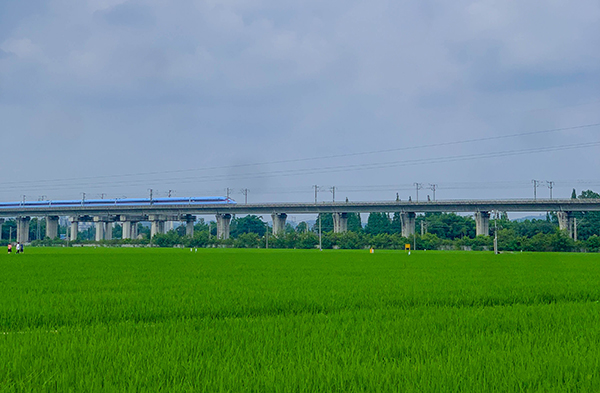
(115, 98)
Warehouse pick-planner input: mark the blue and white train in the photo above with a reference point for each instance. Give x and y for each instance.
(133, 202)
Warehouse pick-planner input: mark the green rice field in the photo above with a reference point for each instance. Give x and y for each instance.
(229, 320)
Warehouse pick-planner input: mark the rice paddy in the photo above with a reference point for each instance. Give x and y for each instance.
(109, 319)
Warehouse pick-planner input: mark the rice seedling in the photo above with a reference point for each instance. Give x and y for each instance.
(295, 321)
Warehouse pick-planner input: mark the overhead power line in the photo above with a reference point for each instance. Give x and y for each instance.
(298, 160)
(330, 169)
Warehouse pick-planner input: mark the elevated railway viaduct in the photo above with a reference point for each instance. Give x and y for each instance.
(129, 216)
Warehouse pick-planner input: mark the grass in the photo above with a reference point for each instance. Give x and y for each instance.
(294, 321)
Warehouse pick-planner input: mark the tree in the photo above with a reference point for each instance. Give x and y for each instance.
(396, 226)
(574, 194)
(302, 227)
(354, 222)
(117, 231)
(247, 240)
(168, 239)
(326, 223)
(9, 229)
(307, 240)
(593, 243)
(378, 223)
(143, 230)
(200, 226)
(248, 224)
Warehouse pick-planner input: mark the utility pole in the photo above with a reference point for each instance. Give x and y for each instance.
(169, 194)
(102, 195)
(332, 189)
(151, 202)
(227, 190)
(245, 193)
(267, 237)
(432, 187)
(320, 238)
(37, 235)
(418, 186)
(550, 185)
(496, 234)
(316, 192)
(82, 198)
(536, 184)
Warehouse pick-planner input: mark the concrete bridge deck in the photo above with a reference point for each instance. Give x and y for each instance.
(458, 206)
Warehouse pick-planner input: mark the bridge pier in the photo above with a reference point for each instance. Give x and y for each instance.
(99, 224)
(108, 227)
(565, 222)
(74, 228)
(126, 229)
(340, 222)
(52, 227)
(223, 221)
(278, 223)
(189, 224)
(408, 223)
(158, 224)
(129, 226)
(1, 224)
(482, 223)
(23, 229)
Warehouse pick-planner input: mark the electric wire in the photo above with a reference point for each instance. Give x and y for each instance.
(330, 169)
(298, 160)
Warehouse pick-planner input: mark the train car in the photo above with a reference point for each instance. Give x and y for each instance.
(119, 202)
(9, 205)
(71, 203)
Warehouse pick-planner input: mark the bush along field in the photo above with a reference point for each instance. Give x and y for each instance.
(298, 320)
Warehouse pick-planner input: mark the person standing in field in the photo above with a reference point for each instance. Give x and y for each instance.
(21, 248)
(18, 247)
(9, 248)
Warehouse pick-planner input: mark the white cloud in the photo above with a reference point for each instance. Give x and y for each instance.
(22, 47)
(287, 79)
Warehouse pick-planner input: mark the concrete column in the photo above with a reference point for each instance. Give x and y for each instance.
(23, 229)
(223, 221)
(408, 223)
(134, 229)
(158, 224)
(126, 230)
(189, 224)
(482, 223)
(340, 222)
(74, 228)
(52, 227)
(1, 223)
(278, 223)
(99, 228)
(108, 225)
(565, 222)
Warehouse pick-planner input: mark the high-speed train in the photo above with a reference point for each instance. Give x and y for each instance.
(121, 202)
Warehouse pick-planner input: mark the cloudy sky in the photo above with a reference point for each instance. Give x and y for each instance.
(118, 97)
